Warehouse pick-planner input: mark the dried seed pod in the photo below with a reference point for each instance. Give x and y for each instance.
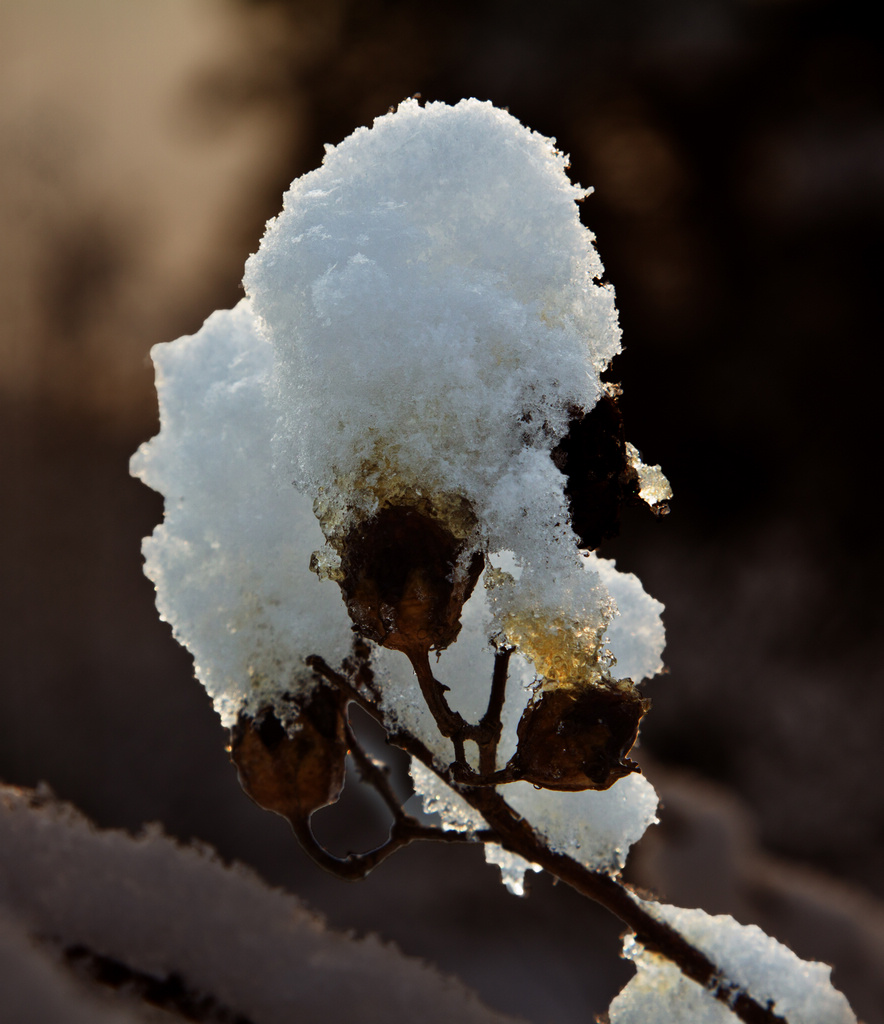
(577, 737)
(293, 772)
(600, 481)
(405, 578)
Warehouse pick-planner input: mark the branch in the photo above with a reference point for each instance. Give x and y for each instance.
(509, 830)
(490, 724)
(486, 734)
(374, 772)
(516, 835)
(355, 866)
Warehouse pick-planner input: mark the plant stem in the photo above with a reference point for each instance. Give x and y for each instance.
(515, 834)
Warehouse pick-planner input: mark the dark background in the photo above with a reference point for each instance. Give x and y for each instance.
(737, 152)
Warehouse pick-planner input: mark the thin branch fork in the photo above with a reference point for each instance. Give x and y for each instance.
(355, 866)
(405, 828)
(452, 725)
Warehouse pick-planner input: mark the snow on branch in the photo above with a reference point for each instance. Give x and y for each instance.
(400, 444)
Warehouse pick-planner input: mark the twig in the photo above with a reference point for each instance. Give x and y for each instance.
(451, 724)
(374, 772)
(515, 834)
(491, 723)
(356, 866)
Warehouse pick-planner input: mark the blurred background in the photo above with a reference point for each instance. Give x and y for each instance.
(736, 148)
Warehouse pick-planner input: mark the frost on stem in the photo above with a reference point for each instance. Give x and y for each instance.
(399, 445)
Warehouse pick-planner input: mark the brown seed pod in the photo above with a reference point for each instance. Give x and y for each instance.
(293, 775)
(403, 582)
(599, 480)
(577, 737)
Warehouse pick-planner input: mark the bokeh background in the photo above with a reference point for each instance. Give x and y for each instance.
(737, 152)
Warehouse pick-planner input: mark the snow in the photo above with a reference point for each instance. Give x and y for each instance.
(594, 827)
(231, 560)
(429, 294)
(431, 300)
(38, 989)
(653, 486)
(419, 319)
(635, 636)
(800, 991)
(513, 868)
(165, 910)
(420, 323)
(437, 798)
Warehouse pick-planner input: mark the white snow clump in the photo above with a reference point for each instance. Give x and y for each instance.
(419, 320)
(799, 991)
(230, 561)
(422, 322)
